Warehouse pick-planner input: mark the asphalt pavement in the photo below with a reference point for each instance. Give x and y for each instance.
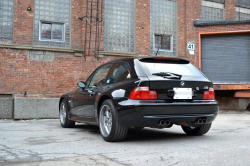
(44, 142)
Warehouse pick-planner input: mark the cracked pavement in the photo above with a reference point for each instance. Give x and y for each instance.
(45, 142)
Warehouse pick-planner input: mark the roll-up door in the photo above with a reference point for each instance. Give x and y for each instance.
(225, 58)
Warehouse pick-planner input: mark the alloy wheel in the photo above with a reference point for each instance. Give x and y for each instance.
(62, 113)
(105, 120)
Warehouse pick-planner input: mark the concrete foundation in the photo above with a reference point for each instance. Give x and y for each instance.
(6, 108)
(243, 103)
(30, 108)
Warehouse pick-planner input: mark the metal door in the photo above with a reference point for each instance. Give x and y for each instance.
(225, 58)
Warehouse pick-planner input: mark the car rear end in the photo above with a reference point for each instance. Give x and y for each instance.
(168, 91)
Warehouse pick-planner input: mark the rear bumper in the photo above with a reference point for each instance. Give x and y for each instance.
(149, 113)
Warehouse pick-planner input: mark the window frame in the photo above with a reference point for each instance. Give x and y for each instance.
(51, 22)
(171, 42)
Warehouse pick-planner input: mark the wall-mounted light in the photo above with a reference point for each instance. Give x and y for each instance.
(28, 8)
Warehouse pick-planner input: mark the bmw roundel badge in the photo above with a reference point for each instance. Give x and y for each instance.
(182, 83)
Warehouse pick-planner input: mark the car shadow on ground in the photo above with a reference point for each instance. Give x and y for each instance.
(145, 134)
(148, 134)
(87, 128)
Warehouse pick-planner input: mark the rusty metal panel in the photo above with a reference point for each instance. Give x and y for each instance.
(231, 86)
(244, 94)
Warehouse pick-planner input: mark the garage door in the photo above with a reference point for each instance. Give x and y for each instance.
(226, 58)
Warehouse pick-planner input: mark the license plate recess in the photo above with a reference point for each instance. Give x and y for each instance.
(182, 93)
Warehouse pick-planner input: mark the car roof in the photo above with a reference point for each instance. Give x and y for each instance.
(148, 58)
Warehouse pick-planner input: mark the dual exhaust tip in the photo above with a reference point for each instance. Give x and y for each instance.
(201, 121)
(165, 123)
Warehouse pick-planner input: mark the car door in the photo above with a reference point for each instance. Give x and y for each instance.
(84, 99)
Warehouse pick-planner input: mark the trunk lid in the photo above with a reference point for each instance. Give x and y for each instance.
(165, 87)
(171, 78)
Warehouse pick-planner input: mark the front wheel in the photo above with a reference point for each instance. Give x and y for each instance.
(111, 128)
(203, 129)
(64, 116)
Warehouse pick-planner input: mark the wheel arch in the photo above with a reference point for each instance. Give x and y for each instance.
(60, 101)
(101, 100)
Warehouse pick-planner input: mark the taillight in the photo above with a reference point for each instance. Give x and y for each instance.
(143, 93)
(209, 95)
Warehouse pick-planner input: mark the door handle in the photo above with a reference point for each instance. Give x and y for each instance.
(91, 92)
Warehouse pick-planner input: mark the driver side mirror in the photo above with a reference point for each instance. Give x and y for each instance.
(81, 84)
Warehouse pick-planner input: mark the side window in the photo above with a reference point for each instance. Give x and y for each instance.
(99, 77)
(121, 72)
(52, 31)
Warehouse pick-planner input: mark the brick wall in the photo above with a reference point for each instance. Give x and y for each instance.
(143, 27)
(188, 12)
(230, 9)
(77, 28)
(23, 23)
(20, 74)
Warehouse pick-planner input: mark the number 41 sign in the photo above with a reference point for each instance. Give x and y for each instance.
(191, 46)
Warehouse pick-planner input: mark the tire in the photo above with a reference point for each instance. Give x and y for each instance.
(64, 116)
(203, 129)
(109, 124)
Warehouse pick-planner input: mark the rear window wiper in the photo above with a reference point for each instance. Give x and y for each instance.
(168, 75)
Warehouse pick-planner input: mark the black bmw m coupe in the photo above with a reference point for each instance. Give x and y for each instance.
(155, 92)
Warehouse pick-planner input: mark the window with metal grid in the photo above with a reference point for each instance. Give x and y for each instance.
(212, 10)
(6, 21)
(52, 23)
(242, 13)
(209, 13)
(163, 14)
(119, 28)
(242, 16)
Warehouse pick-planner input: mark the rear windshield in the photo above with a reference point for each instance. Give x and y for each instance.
(180, 69)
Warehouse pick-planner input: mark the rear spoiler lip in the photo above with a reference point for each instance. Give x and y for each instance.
(175, 59)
